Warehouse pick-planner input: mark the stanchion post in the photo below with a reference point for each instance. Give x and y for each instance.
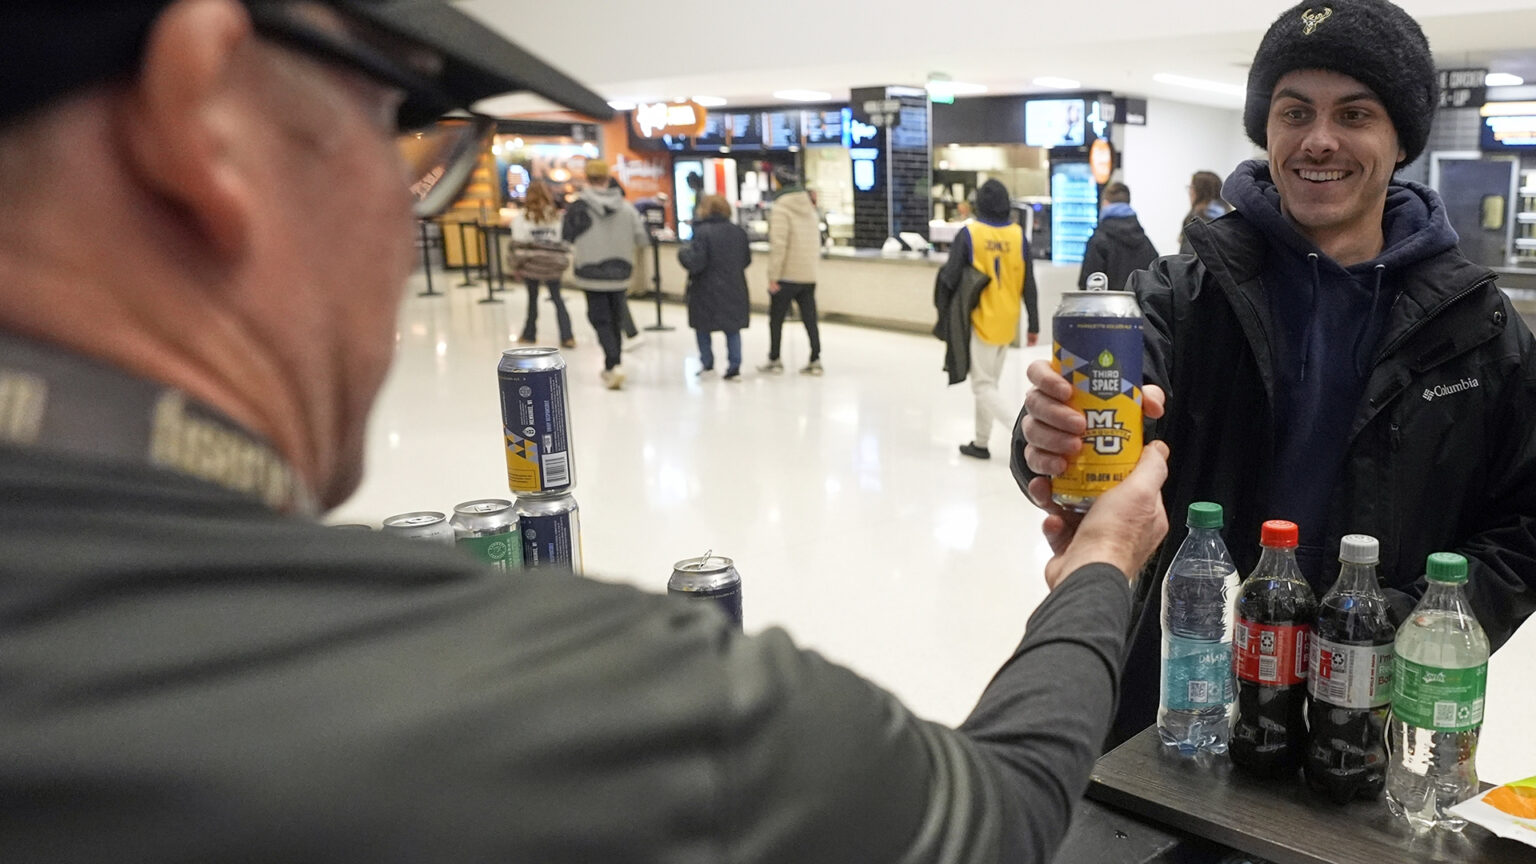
(426, 260)
(653, 217)
(487, 242)
(464, 257)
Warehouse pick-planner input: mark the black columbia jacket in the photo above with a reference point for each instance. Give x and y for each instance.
(1442, 452)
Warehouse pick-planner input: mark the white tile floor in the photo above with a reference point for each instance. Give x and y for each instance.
(854, 521)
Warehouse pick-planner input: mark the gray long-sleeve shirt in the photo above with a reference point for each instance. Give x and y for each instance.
(189, 677)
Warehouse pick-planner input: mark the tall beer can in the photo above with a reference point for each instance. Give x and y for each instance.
(535, 419)
(487, 530)
(709, 577)
(551, 531)
(1098, 349)
(426, 525)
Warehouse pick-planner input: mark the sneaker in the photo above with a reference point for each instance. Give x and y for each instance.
(773, 367)
(733, 375)
(613, 378)
(567, 343)
(705, 372)
(975, 452)
(525, 340)
(812, 368)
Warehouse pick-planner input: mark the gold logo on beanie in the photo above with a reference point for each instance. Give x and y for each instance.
(1312, 19)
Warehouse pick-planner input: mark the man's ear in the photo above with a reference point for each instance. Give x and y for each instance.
(180, 118)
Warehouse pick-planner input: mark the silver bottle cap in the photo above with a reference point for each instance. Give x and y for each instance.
(1359, 549)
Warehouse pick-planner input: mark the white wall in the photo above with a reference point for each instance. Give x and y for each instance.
(1158, 159)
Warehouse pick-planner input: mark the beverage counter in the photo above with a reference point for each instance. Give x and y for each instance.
(892, 290)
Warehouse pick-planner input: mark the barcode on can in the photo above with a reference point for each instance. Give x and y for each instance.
(1445, 714)
(557, 469)
(1269, 668)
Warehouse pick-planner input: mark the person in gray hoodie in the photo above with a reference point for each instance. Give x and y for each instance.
(605, 231)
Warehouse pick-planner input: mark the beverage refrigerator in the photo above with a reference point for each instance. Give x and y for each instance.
(1074, 209)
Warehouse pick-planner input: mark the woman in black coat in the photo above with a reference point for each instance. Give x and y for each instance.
(716, 261)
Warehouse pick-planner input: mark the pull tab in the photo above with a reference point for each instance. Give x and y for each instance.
(1097, 282)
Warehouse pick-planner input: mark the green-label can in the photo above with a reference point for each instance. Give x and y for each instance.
(487, 530)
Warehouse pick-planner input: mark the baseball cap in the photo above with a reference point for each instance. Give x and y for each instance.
(58, 46)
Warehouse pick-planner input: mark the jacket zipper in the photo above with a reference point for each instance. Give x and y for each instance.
(1414, 328)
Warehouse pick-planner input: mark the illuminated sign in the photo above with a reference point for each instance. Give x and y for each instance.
(1101, 158)
(864, 174)
(669, 118)
(858, 131)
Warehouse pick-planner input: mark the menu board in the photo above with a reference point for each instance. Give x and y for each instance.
(746, 129)
(782, 129)
(713, 134)
(823, 127)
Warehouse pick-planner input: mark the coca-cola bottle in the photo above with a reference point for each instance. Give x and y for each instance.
(1275, 610)
(1349, 679)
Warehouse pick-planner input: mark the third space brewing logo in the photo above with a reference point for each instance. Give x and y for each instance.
(1106, 433)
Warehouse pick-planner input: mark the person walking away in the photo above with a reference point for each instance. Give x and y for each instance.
(716, 260)
(605, 232)
(637, 278)
(1205, 204)
(794, 249)
(995, 246)
(540, 255)
(1118, 247)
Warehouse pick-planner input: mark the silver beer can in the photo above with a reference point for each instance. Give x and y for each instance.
(425, 525)
(535, 421)
(709, 577)
(551, 533)
(487, 529)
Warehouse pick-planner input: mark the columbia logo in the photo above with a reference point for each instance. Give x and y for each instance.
(1433, 393)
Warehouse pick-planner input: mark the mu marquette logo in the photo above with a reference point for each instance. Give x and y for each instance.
(1311, 19)
(1107, 434)
(1432, 393)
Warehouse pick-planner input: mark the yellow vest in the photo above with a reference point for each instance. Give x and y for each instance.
(999, 253)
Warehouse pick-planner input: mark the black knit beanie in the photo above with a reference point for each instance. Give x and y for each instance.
(992, 201)
(1372, 41)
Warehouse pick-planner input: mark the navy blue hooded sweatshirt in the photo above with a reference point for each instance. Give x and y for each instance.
(1327, 322)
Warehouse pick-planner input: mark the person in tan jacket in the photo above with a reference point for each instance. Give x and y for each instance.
(794, 248)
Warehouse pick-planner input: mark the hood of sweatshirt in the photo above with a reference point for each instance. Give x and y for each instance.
(1326, 323)
(1119, 226)
(606, 200)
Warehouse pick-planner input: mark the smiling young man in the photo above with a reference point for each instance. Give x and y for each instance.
(1296, 360)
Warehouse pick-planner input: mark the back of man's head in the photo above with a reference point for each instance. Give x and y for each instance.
(993, 202)
(597, 173)
(1117, 193)
(1371, 41)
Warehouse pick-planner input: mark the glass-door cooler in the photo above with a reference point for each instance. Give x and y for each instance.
(1074, 210)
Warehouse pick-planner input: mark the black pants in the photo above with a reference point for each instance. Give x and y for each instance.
(627, 323)
(562, 318)
(605, 309)
(804, 296)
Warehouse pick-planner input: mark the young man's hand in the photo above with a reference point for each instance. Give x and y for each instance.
(1054, 429)
(1123, 527)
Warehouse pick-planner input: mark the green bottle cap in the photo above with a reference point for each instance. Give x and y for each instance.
(1204, 514)
(1447, 567)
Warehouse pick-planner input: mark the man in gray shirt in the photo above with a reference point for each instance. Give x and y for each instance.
(196, 670)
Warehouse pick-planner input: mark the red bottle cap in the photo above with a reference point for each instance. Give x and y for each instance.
(1278, 533)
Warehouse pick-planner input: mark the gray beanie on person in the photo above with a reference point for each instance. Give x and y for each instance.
(1373, 41)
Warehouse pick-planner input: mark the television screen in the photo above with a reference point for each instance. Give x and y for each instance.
(782, 129)
(1509, 132)
(823, 127)
(714, 132)
(1053, 123)
(746, 130)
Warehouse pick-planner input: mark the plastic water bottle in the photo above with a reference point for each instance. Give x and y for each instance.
(1194, 711)
(1439, 677)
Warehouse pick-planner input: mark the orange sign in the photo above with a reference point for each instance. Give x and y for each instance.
(669, 118)
(1101, 158)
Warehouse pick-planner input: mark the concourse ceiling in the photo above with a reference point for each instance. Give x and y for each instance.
(640, 51)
